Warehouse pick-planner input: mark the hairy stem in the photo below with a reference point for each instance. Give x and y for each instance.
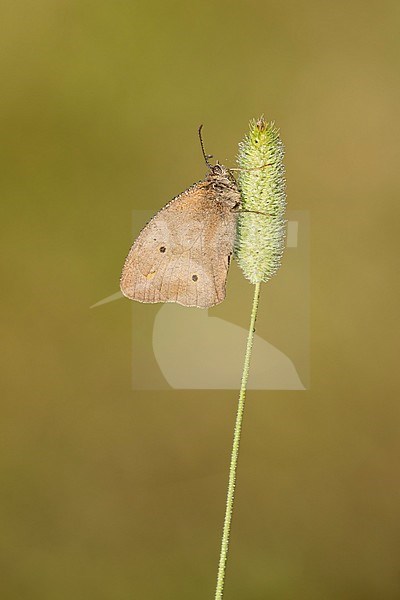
(235, 450)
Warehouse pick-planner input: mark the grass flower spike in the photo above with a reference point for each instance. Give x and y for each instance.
(261, 225)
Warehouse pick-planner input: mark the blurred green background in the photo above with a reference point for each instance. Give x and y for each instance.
(108, 493)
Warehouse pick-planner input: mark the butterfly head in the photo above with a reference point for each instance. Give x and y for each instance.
(223, 187)
(219, 173)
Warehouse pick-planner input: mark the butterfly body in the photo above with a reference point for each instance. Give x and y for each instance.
(182, 255)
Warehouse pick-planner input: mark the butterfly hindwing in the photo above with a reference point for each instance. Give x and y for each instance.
(182, 254)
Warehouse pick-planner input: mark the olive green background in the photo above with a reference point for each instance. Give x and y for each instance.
(111, 493)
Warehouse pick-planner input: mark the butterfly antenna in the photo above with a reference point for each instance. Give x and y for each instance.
(206, 156)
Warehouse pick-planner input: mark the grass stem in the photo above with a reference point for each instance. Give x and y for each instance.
(235, 450)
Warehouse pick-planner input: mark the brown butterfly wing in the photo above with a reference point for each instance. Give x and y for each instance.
(182, 255)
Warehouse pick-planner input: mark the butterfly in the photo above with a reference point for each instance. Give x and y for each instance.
(183, 253)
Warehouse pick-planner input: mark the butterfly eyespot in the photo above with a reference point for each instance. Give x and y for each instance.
(162, 249)
(194, 277)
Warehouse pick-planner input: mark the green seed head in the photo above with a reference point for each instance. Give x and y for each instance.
(261, 225)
